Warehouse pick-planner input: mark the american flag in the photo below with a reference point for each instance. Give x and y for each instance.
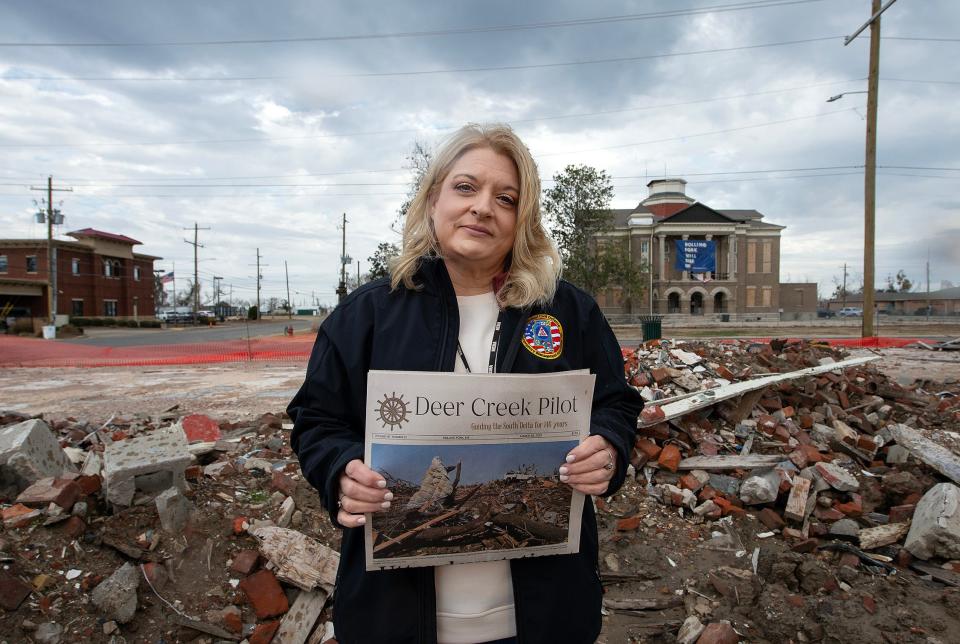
(167, 278)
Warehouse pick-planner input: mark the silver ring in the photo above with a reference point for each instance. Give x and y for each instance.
(609, 466)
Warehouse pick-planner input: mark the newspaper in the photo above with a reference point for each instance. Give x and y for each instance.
(472, 461)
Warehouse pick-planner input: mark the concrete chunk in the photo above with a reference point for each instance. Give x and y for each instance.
(116, 596)
(29, 451)
(174, 510)
(837, 477)
(154, 457)
(762, 488)
(935, 531)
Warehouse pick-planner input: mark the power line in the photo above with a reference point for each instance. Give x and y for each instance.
(673, 13)
(696, 135)
(430, 72)
(921, 38)
(380, 132)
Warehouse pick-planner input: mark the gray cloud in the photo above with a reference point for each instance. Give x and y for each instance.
(314, 100)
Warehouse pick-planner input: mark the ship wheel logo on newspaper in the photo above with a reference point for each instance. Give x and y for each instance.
(543, 336)
(393, 411)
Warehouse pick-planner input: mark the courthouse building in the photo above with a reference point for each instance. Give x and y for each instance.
(98, 275)
(703, 263)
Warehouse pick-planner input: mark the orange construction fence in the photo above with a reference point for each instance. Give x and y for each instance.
(32, 352)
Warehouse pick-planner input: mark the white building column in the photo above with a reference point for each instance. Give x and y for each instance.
(686, 274)
(731, 257)
(710, 273)
(663, 257)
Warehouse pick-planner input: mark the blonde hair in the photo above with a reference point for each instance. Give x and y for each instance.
(533, 264)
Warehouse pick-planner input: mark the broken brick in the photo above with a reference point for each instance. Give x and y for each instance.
(63, 492)
(660, 432)
(718, 633)
(853, 508)
(245, 562)
(200, 429)
(628, 523)
(12, 591)
(660, 375)
(74, 527)
(283, 482)
(690, 482)
(19, 515)
(648, 447)
(901, 513)
(770, 518)
(869, 604)
(669, 457)
(240, 525)
(264, 632)
(652, 414)
(264, 593)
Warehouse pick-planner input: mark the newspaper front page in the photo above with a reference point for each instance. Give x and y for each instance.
(472, 461)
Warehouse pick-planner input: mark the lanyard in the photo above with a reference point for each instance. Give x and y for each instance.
(492, 365)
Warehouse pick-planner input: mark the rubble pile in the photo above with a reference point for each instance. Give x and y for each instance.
(177, 528)
(850, 468)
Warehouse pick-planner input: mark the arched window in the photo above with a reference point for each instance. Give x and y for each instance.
(720, 303)
(696, 304)
(673, 303)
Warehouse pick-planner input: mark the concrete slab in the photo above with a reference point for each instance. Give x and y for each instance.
(29, 451)
(160, 457)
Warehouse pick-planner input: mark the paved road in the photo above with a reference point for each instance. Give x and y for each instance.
(107, 337)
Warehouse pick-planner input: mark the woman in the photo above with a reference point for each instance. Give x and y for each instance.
(476, 281)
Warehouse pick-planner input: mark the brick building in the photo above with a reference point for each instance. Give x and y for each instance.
(743, 257)
(945, 301)
(98, 275)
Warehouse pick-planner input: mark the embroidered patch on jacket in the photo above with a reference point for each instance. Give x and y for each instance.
(543, 336)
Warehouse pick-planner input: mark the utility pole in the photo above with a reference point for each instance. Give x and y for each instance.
(231, 299)
(928, 284)
(870, 170)
(289, 303)
(196, 273)
(175, 286)
(216, 294)
(843, 293)
(342, 288)
(51, 251)
(259, 277)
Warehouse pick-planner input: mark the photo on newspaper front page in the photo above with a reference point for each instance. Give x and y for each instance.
(472, 461)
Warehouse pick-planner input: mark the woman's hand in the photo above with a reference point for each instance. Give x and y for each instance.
(590, 466)
(361, 490)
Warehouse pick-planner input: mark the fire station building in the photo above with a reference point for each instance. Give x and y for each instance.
(98, 275)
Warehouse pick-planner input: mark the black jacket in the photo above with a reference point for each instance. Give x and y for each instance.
(557, 598)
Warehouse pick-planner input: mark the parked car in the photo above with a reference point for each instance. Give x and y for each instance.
(850, 312)
(826, 313)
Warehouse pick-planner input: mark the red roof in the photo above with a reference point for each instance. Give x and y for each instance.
(90, 232)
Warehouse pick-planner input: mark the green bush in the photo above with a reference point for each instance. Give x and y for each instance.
(95, 322)
(252, 313)
(80, 321)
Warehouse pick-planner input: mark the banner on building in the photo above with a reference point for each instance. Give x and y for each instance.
(696, 255)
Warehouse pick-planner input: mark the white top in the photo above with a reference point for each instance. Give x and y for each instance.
(475, 600)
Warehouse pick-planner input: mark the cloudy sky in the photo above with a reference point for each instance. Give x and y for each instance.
(265, 122)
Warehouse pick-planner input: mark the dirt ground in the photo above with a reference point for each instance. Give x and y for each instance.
(239, 391)
(680, 565)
